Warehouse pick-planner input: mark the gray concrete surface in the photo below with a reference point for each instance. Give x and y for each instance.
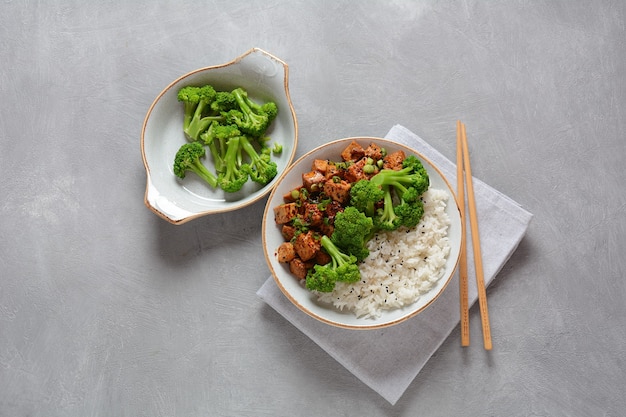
(107, 310)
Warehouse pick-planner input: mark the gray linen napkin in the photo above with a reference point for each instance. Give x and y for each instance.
(388, 359)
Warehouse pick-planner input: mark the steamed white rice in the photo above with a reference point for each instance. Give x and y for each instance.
(402, 265)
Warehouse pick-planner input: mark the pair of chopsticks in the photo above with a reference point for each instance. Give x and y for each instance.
(464, 179)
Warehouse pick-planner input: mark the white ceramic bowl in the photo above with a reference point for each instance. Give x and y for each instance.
(305, 300)
(265, 77)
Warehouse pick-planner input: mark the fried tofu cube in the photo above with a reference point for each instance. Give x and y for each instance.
(312, 214)
(306, 245)
(312, 180)
(333, 171)
(394, 160)
(292, 195)
(338, 190)
(320, 165)
(285, 252)
(353, 152)
(374, 151)
(288, 231)
(298, 268)
(326, 229)
(332, 209)
(285, 213)
(355, 171)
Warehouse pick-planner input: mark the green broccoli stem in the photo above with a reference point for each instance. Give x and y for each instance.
(239, 157)
(249, 110)
(389, 215)
(203, 173)
(218, 159)
(249, 149)
(413, 174)
(244, 102)
(399, 187)
(217, 151)
(231, 158)
(256, 160)
(400, 180)
(235, 175)
(338, 258)
(190, 108)
(392, 176)
(262, 169)
(198, 125)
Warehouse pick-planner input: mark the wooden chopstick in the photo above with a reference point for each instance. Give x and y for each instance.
(463, 292)
(478, 263)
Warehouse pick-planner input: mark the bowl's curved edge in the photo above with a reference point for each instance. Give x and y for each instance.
(147, 194)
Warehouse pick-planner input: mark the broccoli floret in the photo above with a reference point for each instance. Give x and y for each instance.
(342, 267)
(190, 97)
(197, 101)
(208, 138)
(235, 175)
(410, 213)
(277, 149)
(421, 181)
(262, 168)
(352, 231)
(395, 212)
(224, 101)
(250, 117)
(271, 109)
(408, 184)
(188, 159)
(216, 137)
(406, 210)
(364, 195)
(412, 175)
(386, 217)
(395, 193)
(321, 278)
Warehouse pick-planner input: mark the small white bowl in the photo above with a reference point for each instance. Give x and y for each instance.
(303, 298)
(265, 77)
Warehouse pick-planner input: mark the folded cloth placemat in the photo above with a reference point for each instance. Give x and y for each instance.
(388, 359)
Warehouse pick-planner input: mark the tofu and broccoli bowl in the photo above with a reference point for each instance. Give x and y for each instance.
(362, 233)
